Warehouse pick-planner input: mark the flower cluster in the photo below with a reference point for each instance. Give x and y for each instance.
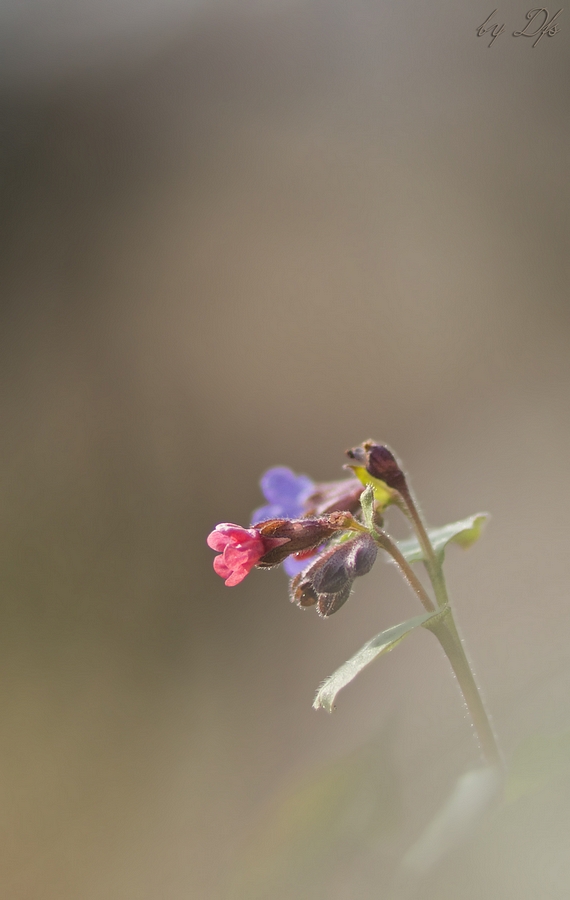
(315, 530)
(296, 496)
(326, 535)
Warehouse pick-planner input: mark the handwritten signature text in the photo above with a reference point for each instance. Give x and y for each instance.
(539, 24)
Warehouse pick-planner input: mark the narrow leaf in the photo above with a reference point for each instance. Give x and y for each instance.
(382, 643)
(464, 533)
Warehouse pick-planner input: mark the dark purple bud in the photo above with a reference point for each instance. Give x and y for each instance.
(331, 603)
(379, 462)
(328, 580)
(333, 574)
(363, 556)
(299, 535)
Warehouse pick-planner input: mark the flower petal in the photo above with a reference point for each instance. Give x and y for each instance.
(220, 567)
(235, 577)
(263, 513)
(286, 490)
(217, 541)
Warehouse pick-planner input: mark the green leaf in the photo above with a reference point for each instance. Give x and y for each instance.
(464, 533)
(382, 643)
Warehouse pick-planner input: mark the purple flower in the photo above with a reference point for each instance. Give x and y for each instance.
(286, 493)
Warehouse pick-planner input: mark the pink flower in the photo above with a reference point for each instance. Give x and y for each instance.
(240, 550)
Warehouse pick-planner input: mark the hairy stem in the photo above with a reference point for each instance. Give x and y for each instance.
(433, 564)
(446, 632)
(447, 635)
(385, 541)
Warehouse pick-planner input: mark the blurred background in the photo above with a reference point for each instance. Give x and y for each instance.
(240, 235)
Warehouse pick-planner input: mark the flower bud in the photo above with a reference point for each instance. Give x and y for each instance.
(380, 463)
(300, 534)
(328, 580)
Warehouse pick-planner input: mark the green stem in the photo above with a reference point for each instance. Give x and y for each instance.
(447, 635)
(385, 541)
(445, 630)
(433, 564)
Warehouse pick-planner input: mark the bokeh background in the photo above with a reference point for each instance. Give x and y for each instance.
(237, 235)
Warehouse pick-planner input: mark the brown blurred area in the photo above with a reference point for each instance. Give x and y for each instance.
(260, 237)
